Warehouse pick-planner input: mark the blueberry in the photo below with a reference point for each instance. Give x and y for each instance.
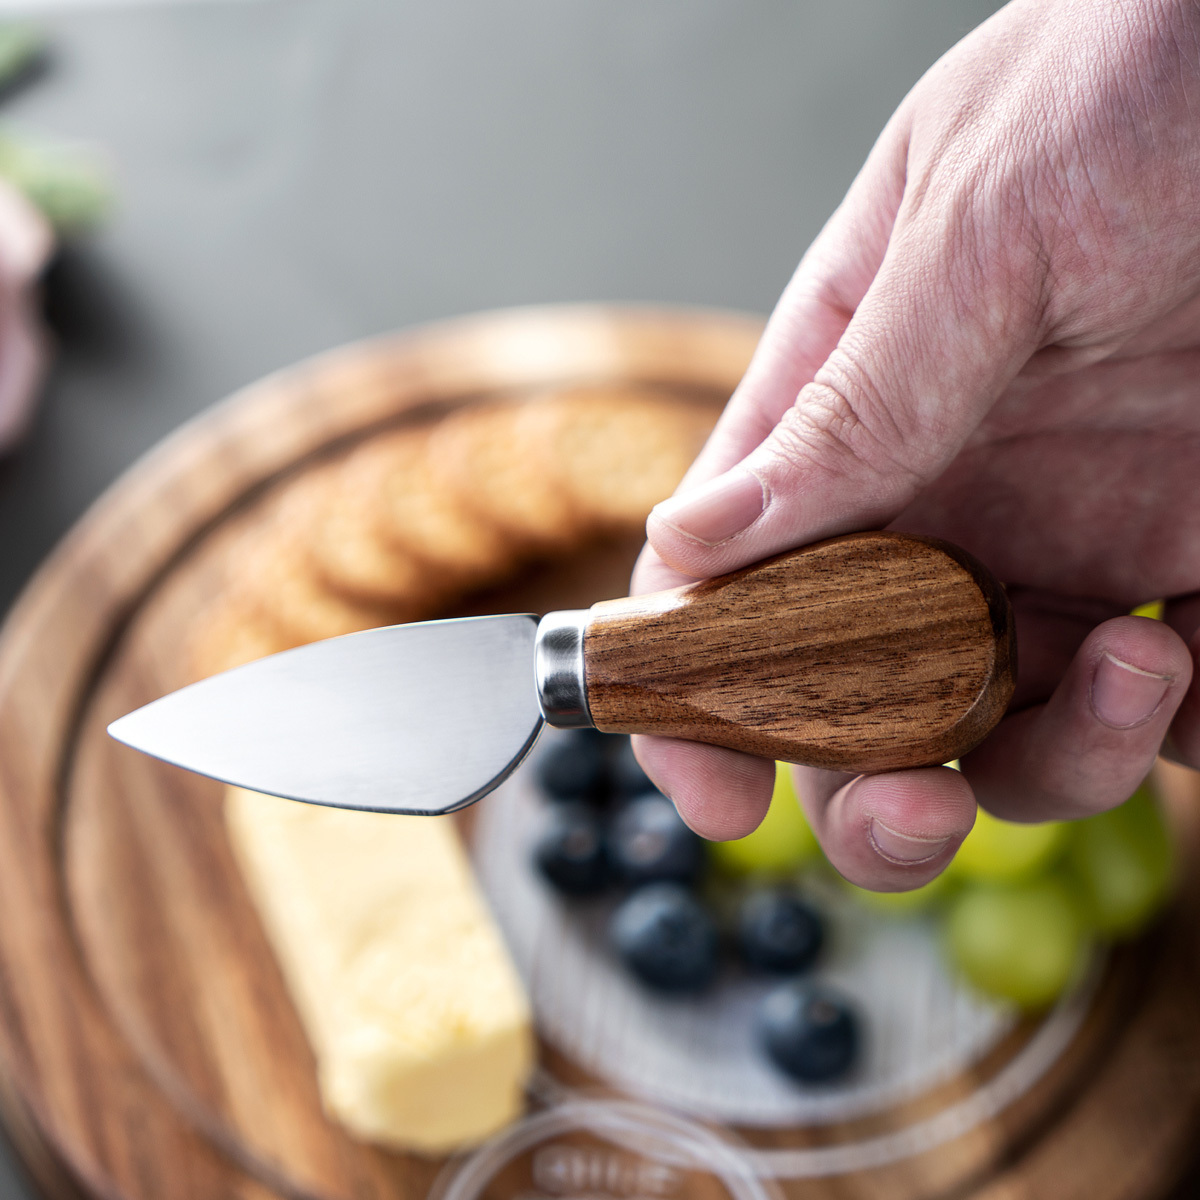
(576, 767)
(778, 932)
(648, 842)
(628, 777)
(809, 1031)
(666, 937)
(570, 853)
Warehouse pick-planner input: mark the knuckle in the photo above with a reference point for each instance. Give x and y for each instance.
(844, 427)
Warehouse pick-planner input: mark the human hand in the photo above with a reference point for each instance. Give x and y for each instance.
(995, 340)
(26, 243)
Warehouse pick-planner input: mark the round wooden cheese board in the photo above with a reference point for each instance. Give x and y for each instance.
(148, 1047)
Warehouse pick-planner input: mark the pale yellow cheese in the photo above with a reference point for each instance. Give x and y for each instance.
(417, 1018)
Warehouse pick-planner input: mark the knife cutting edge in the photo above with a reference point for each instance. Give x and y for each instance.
(868, 652)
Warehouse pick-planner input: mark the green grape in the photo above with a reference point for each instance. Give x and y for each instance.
(780, 845)
(1020, 942)
(903, 904)
(998, 851)
(1123, 865)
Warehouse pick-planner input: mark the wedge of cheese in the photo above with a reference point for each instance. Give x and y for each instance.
(415, 1013)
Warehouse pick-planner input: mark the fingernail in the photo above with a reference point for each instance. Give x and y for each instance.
(902, 849)
(715, 511)
(1124, 695)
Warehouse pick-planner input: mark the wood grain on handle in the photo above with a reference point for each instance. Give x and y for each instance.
(868, 652)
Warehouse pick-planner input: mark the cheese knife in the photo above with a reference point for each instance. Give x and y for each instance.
(868, 652)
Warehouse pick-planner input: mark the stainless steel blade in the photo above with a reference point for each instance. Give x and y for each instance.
(421, 718)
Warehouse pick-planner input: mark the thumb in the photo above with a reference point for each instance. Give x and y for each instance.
(944, 327)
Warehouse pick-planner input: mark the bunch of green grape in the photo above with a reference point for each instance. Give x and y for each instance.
(1020, 906)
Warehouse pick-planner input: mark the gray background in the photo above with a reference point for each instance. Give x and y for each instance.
(297, 174)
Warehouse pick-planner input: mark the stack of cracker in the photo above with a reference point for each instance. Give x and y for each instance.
(417, 517)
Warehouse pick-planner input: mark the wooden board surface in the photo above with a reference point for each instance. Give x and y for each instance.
(147, 1044)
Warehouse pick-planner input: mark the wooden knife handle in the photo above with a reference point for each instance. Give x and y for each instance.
(868, 652)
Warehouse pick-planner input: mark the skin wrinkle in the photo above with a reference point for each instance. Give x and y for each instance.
(1021, 315)
(1109, 396)
(802, 442)
(1091, 228)
(1172, 42)
(829, 411)
(986, 183)
(1078, 211)
(926, 291)
(1186, 44)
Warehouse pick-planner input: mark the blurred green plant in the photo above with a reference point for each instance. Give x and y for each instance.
(70, 184)
(20, 48)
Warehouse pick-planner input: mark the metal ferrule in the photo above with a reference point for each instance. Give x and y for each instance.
(558, 666)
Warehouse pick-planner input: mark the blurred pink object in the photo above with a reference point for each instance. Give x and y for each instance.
(26, 244)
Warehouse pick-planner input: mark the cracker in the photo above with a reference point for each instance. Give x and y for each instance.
(420, 516)
(347, 549)
(493, 458)
(300, 603)
(618, 451)
(271, 570)
(229, 635)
